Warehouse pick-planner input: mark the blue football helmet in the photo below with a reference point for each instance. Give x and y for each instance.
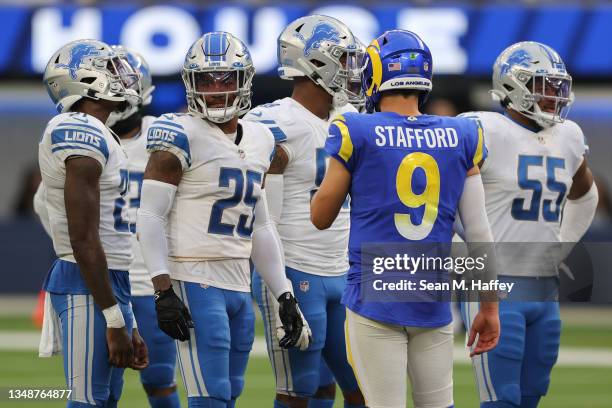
(398, 59)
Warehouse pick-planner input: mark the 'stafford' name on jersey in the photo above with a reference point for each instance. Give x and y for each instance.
(302, 135)
(403, 188)
(136, 149)
(400, 136)
(527, 177)
(212, 214)
(78, 134)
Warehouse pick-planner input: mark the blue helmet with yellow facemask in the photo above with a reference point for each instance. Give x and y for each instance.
(396, 60)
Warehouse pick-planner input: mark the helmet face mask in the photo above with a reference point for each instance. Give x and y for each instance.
(530, 78)
(218, 75)
(218, 95)
(551, 96)
(91, 69)
(136, 76)
(322, 49)
(351, 72)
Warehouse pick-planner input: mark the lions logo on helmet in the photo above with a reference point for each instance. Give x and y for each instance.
(321, 32)
(77, 54)
(519, 57)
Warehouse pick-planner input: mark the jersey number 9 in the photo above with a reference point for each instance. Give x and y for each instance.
(429, 197)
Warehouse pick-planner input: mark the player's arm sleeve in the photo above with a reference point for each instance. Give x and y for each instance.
(155, 203)
(274, 191)
(339, 143)
(70, 139)
(267, 251)
(477, 231)
(170, 136)
(578, 215)
(40, 207)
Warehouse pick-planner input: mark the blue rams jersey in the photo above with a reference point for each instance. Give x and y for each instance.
(407, 174)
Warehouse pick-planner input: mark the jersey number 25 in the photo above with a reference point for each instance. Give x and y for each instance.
(244, 229)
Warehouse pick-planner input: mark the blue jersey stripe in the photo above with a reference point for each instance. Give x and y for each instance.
(163, 122)
(166, 146)
(267, 121)
(63, 136)
(279, 135)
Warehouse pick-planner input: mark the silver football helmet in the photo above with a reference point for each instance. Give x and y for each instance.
(531, 78)
(323, 49)
(144, 89)
(89, 69)
(218, 74)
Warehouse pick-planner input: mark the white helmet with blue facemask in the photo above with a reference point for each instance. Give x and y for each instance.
(531, 78)
(218, 74)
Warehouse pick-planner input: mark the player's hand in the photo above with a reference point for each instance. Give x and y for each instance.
(173, 316)
(141, 353)
(486, 327)
(120, 349)
(292, 330)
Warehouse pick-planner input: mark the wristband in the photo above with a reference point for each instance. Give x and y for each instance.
(114, 317)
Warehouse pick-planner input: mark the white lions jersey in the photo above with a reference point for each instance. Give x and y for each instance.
(302, 134)
(79, 134)
(527, 176)
(210, 224)
(136, 149)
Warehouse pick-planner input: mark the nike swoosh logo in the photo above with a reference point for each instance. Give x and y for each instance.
(84, 120)
(258, 114)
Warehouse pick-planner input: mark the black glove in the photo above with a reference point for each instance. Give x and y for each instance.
(173, 317)
(291, 319)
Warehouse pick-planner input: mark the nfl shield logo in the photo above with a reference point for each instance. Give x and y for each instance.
(304, 286)
(425, 66)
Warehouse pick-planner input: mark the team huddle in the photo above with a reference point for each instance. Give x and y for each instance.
(166, 228)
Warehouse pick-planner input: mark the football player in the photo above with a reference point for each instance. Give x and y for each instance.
(403, 190)
(131, 126)
(84, 171)
(203, 214)
(538, 188)
(321, 56)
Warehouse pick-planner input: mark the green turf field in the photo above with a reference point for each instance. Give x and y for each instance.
(575, 387)
(571, 386)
